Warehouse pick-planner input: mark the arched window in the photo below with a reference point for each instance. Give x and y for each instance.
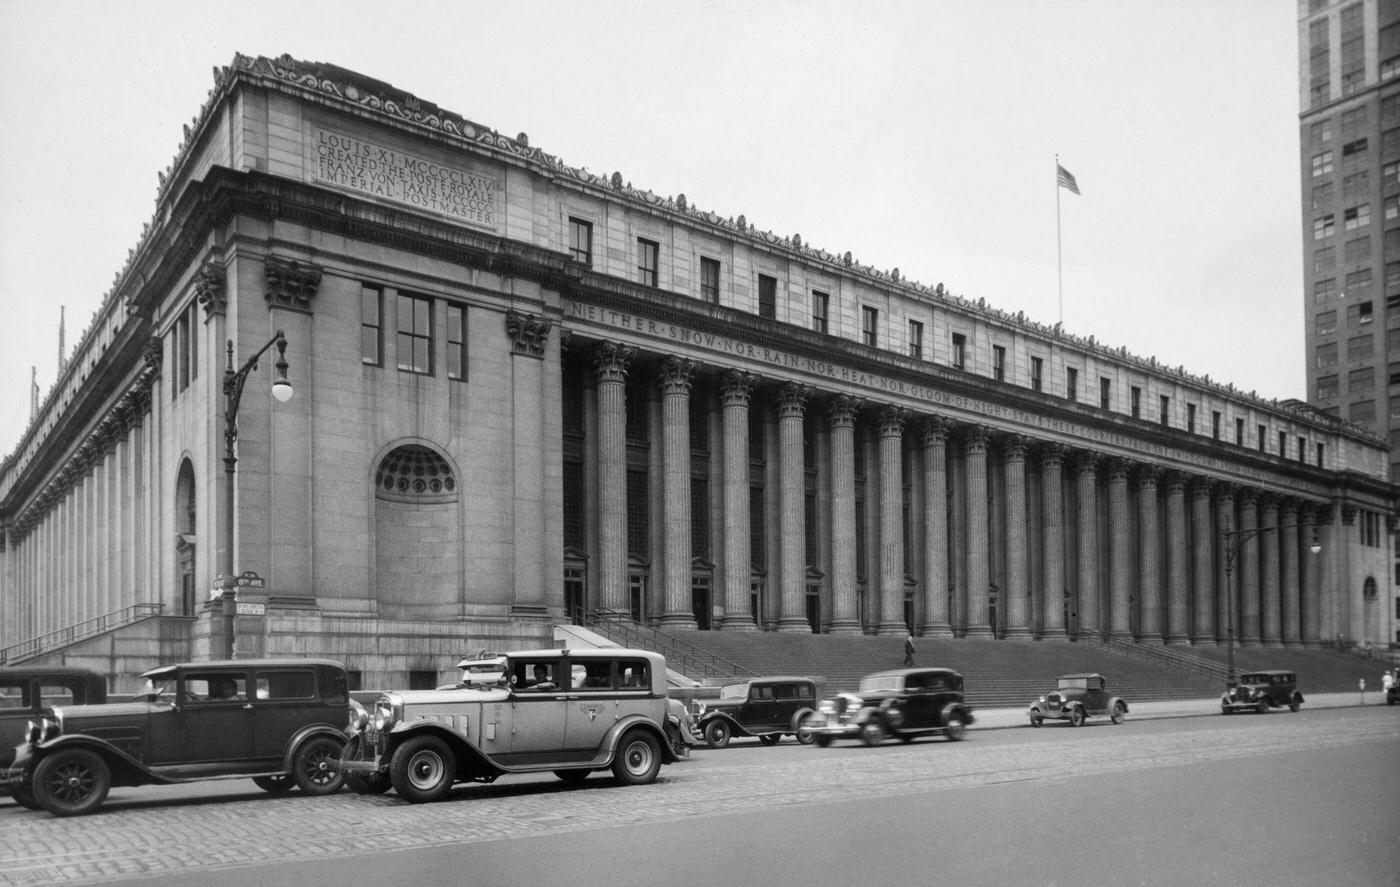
(414, 472)
(185, 525)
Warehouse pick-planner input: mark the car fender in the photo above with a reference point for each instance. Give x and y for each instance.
(954, 708)
(614, 738)
(1035, 709)
(462, 747)
(798, 716)
(735, 728)
(126, 770)
(891, 714)
(305, 733)
(1297, 697)
(1117, 700)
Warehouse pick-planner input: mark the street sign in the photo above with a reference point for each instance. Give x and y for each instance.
(246, 609)
(249, 579)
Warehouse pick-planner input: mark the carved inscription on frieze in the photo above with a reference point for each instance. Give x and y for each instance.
(351, 162)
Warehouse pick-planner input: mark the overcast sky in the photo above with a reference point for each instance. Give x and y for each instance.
(916, 135)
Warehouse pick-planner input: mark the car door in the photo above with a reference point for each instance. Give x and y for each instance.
(284, 700)
(535, 712)
(18, 705)
(759, 712)
(215, 729)
(1096, 697)
(596, 700)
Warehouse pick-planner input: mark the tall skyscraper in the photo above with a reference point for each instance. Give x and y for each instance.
(1349, 131)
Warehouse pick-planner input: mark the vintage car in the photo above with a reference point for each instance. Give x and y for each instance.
(27, 691)
(1076, 698)
(766, 707)
(1392, 693)
(904, 703)
(1260, 691)
(569, 712)
(279, 721)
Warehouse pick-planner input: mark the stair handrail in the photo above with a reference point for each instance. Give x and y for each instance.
(1165, 654)
(681, 656)
(78, 631)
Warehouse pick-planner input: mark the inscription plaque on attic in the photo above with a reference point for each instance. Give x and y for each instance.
(351, 162)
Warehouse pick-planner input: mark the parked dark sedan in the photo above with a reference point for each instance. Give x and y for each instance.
(766, 707)
(905, 703)
(1259, 691)
(278, 721)
(27, 691)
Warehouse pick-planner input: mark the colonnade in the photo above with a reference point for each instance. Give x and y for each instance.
(1014, 537)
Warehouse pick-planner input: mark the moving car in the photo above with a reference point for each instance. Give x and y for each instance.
(904, 703)
(569, 712)
(1260, 691)
(1076, 698)
(278, 721)
(767, 707)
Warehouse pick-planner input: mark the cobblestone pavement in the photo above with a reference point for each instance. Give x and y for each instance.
(137, 840)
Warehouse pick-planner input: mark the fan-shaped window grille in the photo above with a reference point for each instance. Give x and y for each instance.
(413, 472)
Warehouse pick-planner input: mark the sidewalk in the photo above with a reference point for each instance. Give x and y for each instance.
(1001, 718)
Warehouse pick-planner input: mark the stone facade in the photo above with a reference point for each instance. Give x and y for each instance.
(525, 392)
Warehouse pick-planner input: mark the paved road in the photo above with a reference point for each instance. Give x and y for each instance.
(201, 830)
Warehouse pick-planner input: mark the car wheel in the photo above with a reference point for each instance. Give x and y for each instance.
(72, 782)
(1118, 713)
(423, 769)
(572, 776)
(1293, 706)
(1076, 717)
(638, 759)
(872, 732)
(822, 740)
(771, 738)
(372, 784)
(1036, 720)
(956, 729)
(274, 785)
(317, 766)
(1262, 706)
(804, 735)
(25, 797)
(717, 733)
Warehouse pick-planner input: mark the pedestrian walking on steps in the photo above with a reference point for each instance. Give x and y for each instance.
(908, 649)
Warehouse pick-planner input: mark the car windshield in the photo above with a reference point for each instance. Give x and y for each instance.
(1074, 683)
(483, 672)
(734, 691)
(160, 689)
(879, 683)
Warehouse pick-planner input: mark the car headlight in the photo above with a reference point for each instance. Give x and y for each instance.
(41, 730)
(1042, 700)
(359, 718)
(384, 715)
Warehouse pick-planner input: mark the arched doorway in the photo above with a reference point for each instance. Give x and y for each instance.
(185, 538)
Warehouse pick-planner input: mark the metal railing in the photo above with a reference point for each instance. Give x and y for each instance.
(1166, 655)
(681, 656)
(78, 631)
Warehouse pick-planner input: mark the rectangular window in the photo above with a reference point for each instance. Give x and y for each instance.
(1135, 402)
(1105, 392)
(1359, 315)
(1324, 290)
(1362, 412)
(1356, 217)
(960, 351)
(455, 343)
(1324, 259)
(916, 340)
(1166, 408)
(1359, 347)
(182, 351)
(1324, 227)
(709, 280)
(1322, 164)
(1215, 424)
(1361, 381)
(821, 305)
(1320, 451)
(1191, 418)
(1263, 433)
(1326, 323)
(581, 241)
(870, 326)
(1354, 151)
(371, 326)
(1302, 449)
(767, 296)
(1071, 383)
(648, 262)
(1328, 387)
(1327, 355)
(1390, 174)
(1037, 379)
(1239, 432)
(1358, 284)
(999, 362)
(415, 334)
(1321, 196)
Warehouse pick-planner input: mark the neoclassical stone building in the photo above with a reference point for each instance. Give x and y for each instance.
(524, 392)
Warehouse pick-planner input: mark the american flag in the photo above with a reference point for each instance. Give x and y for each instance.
(1066, 179)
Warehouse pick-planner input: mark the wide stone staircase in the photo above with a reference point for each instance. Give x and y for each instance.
(1000, 673)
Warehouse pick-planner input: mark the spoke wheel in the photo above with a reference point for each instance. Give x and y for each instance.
(872, 732)
(956, 729)
(317, 766)
(423, 769)
(805, 736)
(1119, 712)
(1036, 720)
(72, 782)
(717, 733)
(1076, 717)
(638, 758)
(274, 785)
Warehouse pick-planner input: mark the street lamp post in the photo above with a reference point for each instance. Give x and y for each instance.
(233, 392)
(1234, 541)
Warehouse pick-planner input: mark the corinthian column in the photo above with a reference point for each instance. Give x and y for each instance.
(1291, 533)
(935, 585)
(1178, 588)
(1248, 625)
(1086, 477)
(1226, 598)
(1013, 449)
(675, 379)
(978, 567)
(1052, 457)
(735, 391)
(1202, 579)
(1269, 612)
(610, 363)
(1119, 582)
(892, 421)
(841, 414)
(792, 528)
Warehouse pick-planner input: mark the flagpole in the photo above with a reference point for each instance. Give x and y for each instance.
(1059, 251)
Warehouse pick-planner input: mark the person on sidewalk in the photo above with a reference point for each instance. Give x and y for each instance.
(1387, 681)
(908, 649)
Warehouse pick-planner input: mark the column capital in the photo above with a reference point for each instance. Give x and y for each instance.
(975, 439)
(1174, 481)
(528, 333)
(792, 399)
(1118, 469)
(1247, 496)
(291, 284)
(1200, 487)
(892, 419)
(1289, 504)
(1085, 462)
(1225, 492)
(935, 431)
(1146, 474)
(1348, 514)
(1052, 454)
(736, 387)
(611, 360)
(1014, 447)
(675, 375)
(1325, 513)
(209, 288)
(841, 410)
(1268, 500)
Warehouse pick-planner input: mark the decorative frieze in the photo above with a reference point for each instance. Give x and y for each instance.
(291, 284)
(528, 334)
(209, 289)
